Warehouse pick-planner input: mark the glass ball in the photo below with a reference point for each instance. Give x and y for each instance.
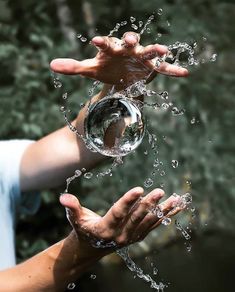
(114, 126)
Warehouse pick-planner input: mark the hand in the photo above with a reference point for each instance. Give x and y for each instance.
(129, 220)
(120, 62)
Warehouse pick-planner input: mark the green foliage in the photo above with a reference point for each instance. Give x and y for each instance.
(31, 36)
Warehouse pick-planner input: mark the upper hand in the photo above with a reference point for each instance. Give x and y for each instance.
(120, 62)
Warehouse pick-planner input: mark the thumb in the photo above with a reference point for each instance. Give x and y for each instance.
(65, 66)
(73, 208)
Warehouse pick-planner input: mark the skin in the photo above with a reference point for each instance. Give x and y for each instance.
(49, 161)
(126, 222)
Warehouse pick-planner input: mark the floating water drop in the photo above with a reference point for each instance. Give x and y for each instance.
(148, 182)
(148, 30)
(156, 163)
(65, 95)
(193, 120)
(160, 11)
(93, 276)
(132, 19)
(123, 23)
(114, 126)
(164, 95)
(162, 173)
(165, 106)
(188, 247)
(166, 221)
(168, 23)
(174, 163)
(141, 23)
(71, 286)
(62, 109)
(134, 26)
(78, 172)
(88, 175)
(213, 58)
(83, 39)
(57, 83)
(155, 271)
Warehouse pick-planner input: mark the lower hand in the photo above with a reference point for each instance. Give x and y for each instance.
(129, 220)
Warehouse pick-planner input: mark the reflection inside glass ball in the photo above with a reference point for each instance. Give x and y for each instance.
(114, 126)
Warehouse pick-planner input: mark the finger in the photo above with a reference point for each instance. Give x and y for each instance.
(122, 207)
(73, 208)
(152, 51)
(170, 214)
(131, 39)
(172, 70)
(100, 42)
(167, 209)
(65, 66)
(145, 206)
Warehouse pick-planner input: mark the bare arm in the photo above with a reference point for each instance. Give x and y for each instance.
(129, 220)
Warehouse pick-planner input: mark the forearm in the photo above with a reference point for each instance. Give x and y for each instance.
(50, 270)
(49, 161)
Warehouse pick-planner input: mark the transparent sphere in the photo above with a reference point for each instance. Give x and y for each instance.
(114, 126)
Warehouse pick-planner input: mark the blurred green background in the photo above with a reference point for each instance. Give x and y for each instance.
(202, 140)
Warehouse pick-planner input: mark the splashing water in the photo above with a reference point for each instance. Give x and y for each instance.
(71, 286)
(124, 254)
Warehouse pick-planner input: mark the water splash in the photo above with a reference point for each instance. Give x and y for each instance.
(71, 286)
(124, 254)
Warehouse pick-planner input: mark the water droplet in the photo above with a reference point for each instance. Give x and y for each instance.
(168, 23)
(155, 271)
(174, 163)
(160, 11)
(134, 26)
(193, 120)
(123, 23)
(162, 173)
(165, 106)
(159, 35)
(156, 163)
(148, 182)
(132, 19)
(88, 175)
(148, 30)
(79, 36)
(83, 39)
(166, 221)
(141, 23)
(65, 95)
(71, 286)
(164, 95)
(146, 152)
(213, 58)
(93, 276)
(188, 247)
(83, 169)
(78, 172)
(204, 39)
(62, 109)
(57, 83)
(193, 209)
(187, 198)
